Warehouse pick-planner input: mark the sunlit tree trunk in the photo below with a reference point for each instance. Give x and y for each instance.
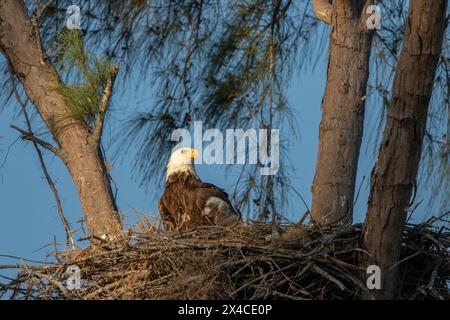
(394, 175)
(77, 146)
(341, 127)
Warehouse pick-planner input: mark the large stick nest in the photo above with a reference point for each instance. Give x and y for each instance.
(243, 262)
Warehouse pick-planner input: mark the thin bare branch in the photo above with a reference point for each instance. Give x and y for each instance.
(104, 104)
(50, 182)
(31, 137)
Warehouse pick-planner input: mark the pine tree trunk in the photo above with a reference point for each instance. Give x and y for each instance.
(20, 44)
(341, 127)
(394, 174)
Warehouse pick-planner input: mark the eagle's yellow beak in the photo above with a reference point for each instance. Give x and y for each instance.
(194, 154)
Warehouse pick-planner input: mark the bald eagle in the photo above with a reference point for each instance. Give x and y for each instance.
(187, 201)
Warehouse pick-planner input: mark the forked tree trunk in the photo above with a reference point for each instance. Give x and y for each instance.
(20, 44)
(394, 174)
(341, 127)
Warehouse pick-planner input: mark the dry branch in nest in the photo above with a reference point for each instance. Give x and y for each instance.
(243, 262)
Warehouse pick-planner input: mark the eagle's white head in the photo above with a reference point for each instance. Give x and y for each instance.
(182, 160)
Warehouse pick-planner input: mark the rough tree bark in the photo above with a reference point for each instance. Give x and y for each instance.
(394, 175)
(78, 146)
(341, 127)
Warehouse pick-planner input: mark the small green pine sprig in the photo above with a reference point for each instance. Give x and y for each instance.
(89, 75)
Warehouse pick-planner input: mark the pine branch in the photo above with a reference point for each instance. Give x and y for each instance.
(322, 10)
(104, 104)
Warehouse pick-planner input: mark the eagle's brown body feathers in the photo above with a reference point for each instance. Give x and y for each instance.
(188, 202)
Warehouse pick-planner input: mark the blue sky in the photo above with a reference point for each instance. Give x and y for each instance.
(28, 214)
